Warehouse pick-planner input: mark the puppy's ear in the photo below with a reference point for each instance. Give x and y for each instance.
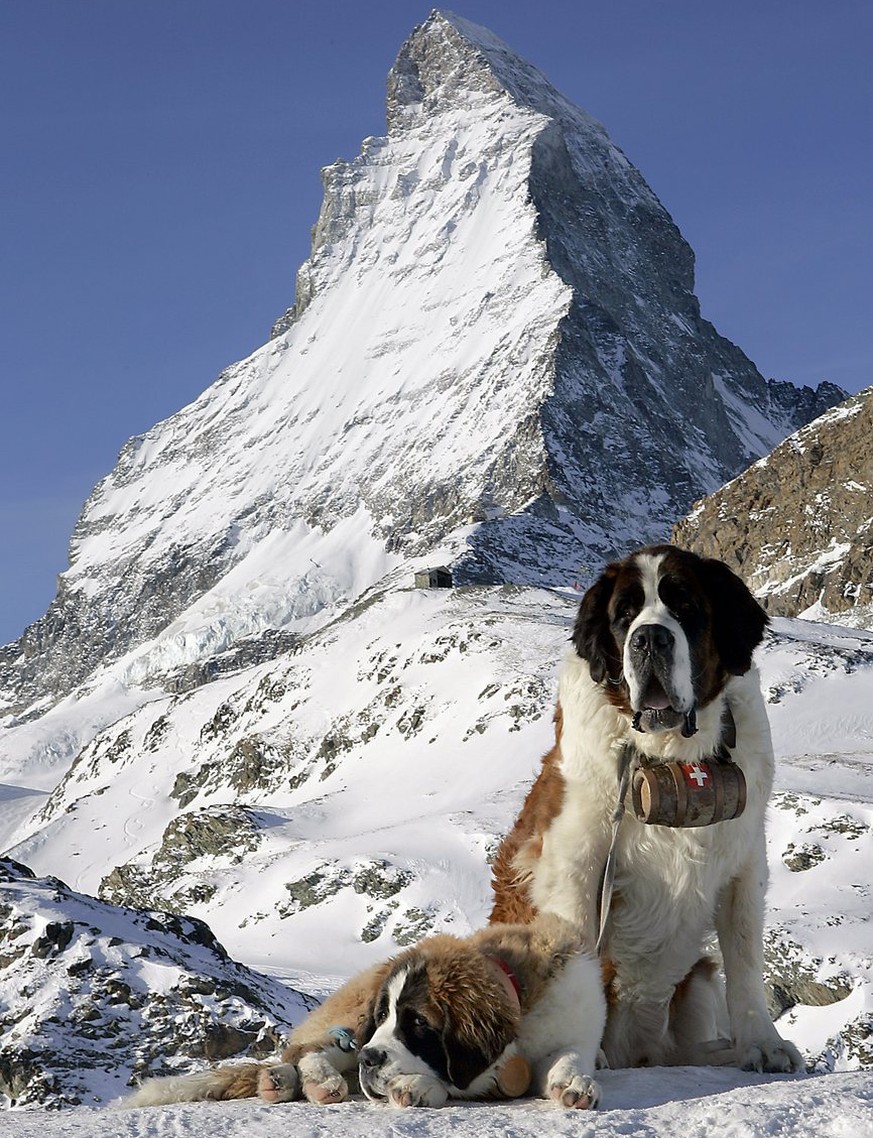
(474, 1037)
(591, 637)
(464, 1061)
(738, 621)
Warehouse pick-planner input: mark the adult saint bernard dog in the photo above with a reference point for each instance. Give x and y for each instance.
(661, 670)
(490, 1015)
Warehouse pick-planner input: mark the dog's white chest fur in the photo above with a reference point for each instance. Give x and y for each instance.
(668, 881)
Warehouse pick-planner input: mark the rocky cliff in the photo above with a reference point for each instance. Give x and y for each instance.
(798, 524)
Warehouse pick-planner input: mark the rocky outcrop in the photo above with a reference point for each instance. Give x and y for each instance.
(798, 525)
(94, 998)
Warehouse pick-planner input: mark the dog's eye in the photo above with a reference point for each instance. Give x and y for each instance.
(627, 605)
(420, 1025)
(624, 615)
(681, 603)
(381, 1013)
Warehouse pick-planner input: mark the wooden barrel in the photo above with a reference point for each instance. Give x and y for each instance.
(688, 794)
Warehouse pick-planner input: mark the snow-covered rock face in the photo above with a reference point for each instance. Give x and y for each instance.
(93, 996)
(495, 358)
(798, 525)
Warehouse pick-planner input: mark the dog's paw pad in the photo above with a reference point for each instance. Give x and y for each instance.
(581, 1093)
(322, 1094)
(279, 1084)
(416, 1090)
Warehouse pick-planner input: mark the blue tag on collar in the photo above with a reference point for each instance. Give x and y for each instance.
(344, 1038)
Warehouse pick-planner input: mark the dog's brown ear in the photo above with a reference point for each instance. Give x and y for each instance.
(738, 621)
(464, 1061)
(591, 636)
(473, 1041)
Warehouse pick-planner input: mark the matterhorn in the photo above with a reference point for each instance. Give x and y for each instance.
(495, 361)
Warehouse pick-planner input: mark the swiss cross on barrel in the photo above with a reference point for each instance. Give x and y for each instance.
(695, 773)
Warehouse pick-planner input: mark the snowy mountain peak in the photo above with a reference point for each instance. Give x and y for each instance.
(495, 361)
(449, 62)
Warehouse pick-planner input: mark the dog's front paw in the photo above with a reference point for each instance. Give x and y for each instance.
(279, 1084)
(322, 1083)
(580, 1093)
(774, 1056)
(567, 1085)
(416, 1090)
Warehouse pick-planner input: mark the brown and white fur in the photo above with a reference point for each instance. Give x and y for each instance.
(667, 636)
(441, 1020)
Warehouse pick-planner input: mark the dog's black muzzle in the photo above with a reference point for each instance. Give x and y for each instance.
(651, 653)
(652, 645)
(371, 1060)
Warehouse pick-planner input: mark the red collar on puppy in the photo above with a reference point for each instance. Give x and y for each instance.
(510, 981)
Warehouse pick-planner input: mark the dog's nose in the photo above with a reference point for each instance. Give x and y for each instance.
(372, 1057)
(652, 639)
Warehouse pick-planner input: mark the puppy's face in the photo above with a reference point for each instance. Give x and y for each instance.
(664, 629)
(441, 1020)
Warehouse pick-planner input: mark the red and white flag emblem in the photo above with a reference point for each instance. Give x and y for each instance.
(695, 774)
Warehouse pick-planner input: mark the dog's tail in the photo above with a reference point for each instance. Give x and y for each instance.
(235, 1080)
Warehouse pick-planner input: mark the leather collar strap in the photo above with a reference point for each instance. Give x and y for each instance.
(627, 760)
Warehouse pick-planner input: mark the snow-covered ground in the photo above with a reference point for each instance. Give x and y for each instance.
(659, 1103)
(383, 834)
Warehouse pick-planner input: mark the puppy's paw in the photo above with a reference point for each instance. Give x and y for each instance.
(416, 1090)
(567, 1085)
(279, 1084)
(322, 1094)
(581, 1092)
(322, 1083)
(773, 1056)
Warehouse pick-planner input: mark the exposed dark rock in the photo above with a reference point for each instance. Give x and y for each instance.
(792, 977)
(216, 831)
(83, 1013)
(798, 526)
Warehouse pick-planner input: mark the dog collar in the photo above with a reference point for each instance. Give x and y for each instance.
(343, 1037)
(509, 979)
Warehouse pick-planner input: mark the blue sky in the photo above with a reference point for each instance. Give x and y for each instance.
(159, 182)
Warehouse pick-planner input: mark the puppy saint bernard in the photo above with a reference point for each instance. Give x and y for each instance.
(661, 670)
(485, 1016)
